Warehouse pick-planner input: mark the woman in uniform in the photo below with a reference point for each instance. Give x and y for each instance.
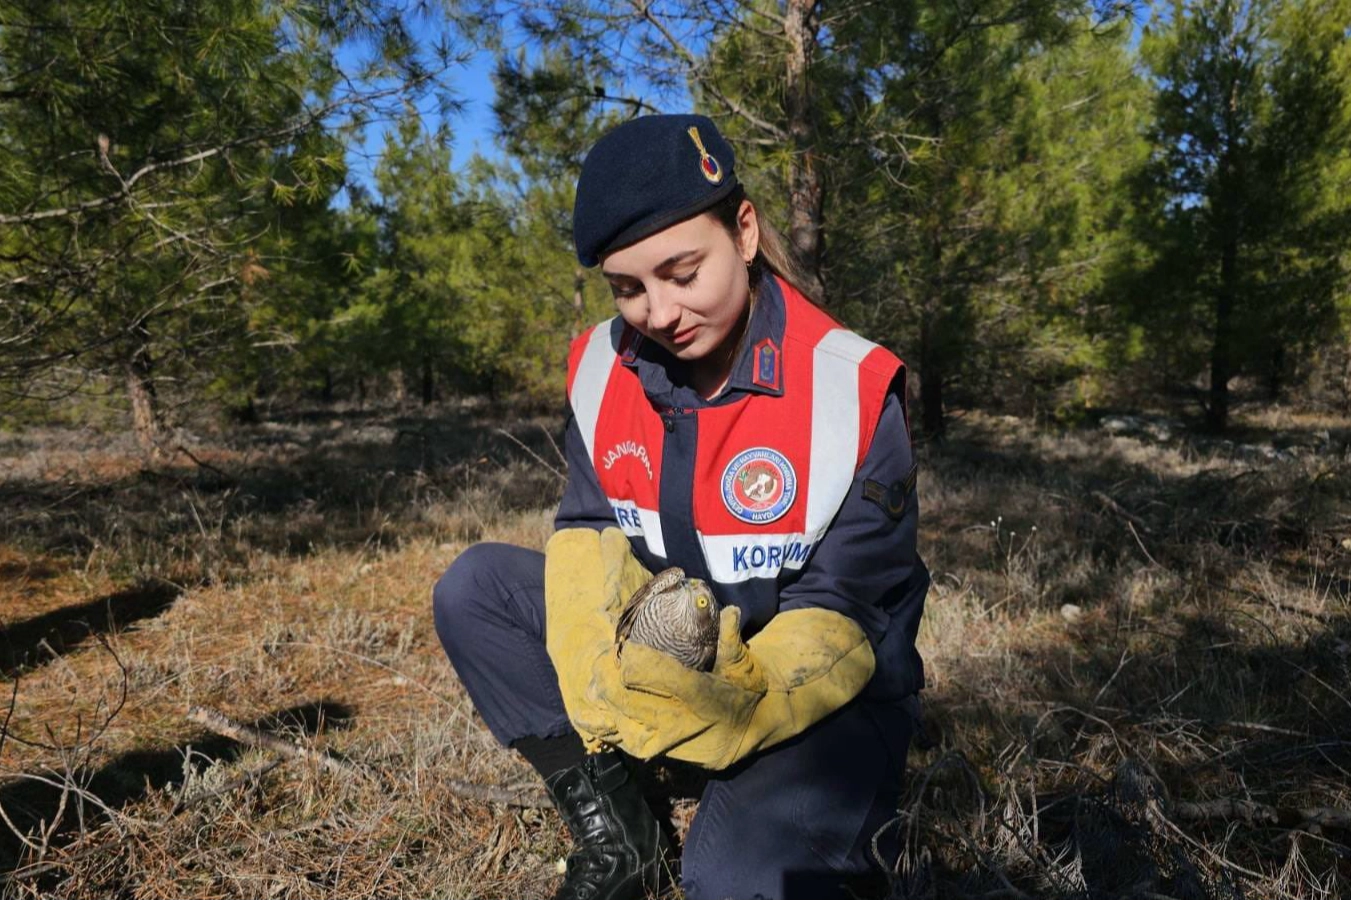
(724, 424)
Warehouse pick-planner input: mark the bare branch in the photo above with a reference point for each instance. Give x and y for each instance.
(527, 797)
(692, 64)
(297, 125)
(222, 725)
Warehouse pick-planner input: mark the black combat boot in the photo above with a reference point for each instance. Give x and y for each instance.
(621, 850)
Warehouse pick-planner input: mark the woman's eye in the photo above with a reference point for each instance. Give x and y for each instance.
(625, 292)
(685, 281)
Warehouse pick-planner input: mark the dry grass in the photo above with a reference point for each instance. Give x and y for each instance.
(1096, 599)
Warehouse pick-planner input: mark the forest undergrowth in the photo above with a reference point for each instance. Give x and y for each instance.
(1138, 649)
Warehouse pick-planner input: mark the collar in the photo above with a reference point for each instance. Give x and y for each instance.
(758, 368)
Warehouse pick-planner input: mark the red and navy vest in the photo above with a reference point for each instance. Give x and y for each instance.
(769, 471)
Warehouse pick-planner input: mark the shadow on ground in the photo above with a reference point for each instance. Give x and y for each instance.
(294, 486)
(1182, 610)
(33, 642)
(64, 803)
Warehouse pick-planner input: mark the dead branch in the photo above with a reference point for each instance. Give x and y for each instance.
(1225, 809)
(9, 713)
(183, 449)
(1144, 550)
(249, 778)
(281, 133)
(1254, 812)
(222, 725)
(562, 477)
(37, 869)
(1121, 511)
(530, 798)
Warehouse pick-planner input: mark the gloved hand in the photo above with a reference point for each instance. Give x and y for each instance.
(802, 666)
(588, 576)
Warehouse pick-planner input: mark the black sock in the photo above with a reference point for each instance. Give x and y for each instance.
(549, 755)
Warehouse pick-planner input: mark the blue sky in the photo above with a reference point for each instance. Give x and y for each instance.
(472, 129)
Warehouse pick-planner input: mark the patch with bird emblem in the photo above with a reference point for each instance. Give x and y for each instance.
(759, 485)
(891, 498)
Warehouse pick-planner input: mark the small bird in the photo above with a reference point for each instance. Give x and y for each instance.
(674, 615)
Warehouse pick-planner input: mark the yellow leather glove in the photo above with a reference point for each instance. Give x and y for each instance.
(802, 666)
(588, 577)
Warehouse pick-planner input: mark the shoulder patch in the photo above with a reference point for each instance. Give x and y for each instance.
(891, 498)
(765, 365)
(629, 342)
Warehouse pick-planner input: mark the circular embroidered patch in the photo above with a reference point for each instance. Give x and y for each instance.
(759, 485)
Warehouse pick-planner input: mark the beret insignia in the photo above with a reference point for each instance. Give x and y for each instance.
(707, 163)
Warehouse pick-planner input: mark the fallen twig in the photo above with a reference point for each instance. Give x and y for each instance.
(1121, 511)
(530, 798)
(537, 458)
(202, 464)
(1263, 727)
(222, 725)
(1143, 549)
(251, 777)
(37, 869)
(1256, 812)
(1219, 859)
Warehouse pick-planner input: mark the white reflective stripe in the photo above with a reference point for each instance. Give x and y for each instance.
(651, 521)
(834, 423)
(639, 522)
(588, 386)
(739, 558)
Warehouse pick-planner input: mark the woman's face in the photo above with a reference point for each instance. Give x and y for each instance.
(686, 287)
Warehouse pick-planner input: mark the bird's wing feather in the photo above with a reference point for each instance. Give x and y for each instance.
(662, 581)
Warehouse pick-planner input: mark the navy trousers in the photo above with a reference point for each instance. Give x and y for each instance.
(796, 820)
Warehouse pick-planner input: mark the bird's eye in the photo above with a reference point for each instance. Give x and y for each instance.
(701, 601)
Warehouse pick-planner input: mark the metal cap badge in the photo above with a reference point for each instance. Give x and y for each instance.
(708, 164)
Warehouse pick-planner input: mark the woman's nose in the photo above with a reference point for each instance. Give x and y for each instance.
(663, 312)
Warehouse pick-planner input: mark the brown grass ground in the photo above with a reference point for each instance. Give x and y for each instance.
(1096, 599)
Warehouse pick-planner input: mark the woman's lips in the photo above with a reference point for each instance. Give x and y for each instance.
(686, 336)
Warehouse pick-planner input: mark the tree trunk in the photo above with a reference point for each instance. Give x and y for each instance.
(248, 412)
(806, 192)
(933, 342)
(578, 300)
(428, 380)
(146, 422)
(1276, 373)
(1221, 352)
(326, 393)
(1345, 384)
(1228, 206)
(930, 379)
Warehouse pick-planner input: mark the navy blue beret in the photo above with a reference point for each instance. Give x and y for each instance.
(645, 175)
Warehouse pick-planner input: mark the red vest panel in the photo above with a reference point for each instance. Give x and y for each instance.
(771, 471)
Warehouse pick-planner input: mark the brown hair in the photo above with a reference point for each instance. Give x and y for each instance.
(773, 254)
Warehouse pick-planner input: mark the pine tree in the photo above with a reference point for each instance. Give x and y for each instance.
(1244, 203)
(148, 146)
(977, 167)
